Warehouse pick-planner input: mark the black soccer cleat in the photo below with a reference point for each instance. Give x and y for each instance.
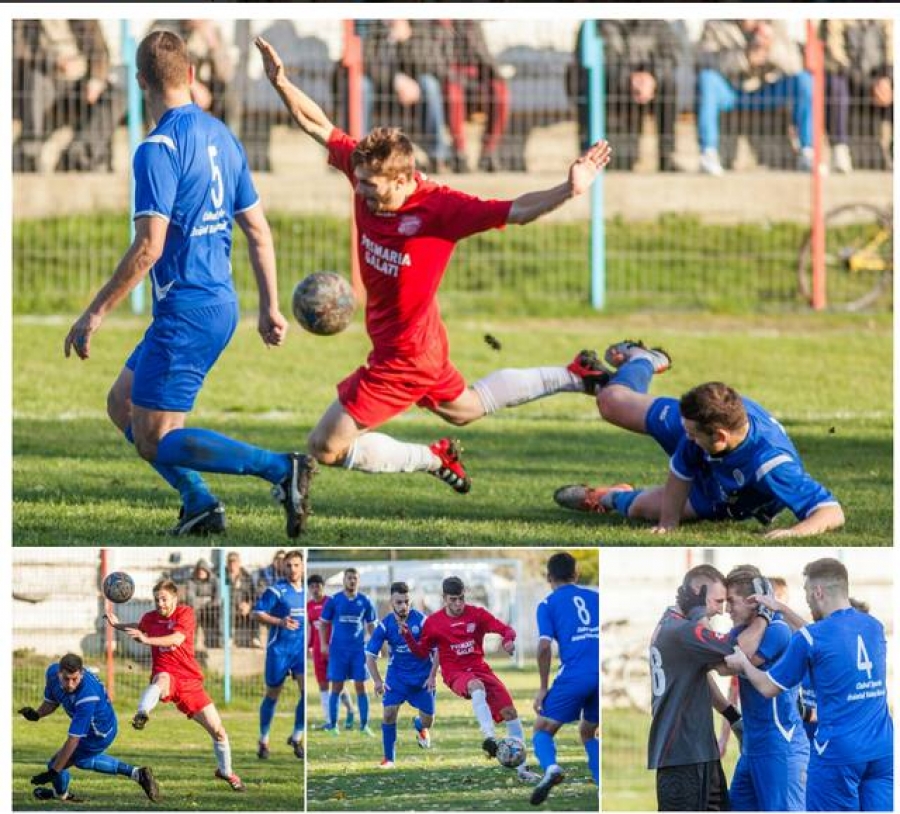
(148, 783)
(490, 746)
(44, 793)
(293, 493)
(548, 781)
(262, 751)
(297, 746)
(210, 520)
(140, 720)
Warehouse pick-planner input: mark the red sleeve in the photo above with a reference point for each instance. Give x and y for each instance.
(184, 622)
(463, 215)
(340, 148)
(144, 623)
(492, 624)
(419, 648)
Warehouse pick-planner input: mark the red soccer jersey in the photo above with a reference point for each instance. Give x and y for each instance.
(313, 614)
(178, 661)
(403, 256)
(459, 639)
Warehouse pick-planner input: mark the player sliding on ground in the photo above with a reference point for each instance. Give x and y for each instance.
(729, 458)
(458, 631)
(91, 733)
(408, 227)
(174, 673)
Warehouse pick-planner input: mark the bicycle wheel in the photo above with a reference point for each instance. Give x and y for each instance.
(859, 259)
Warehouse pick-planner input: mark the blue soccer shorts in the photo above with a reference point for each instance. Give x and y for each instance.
(92, 745)
(171, 362)
(284, 662)
(574, 694)
(770, 782)
(396, 693)
(346, 665)
(865, 786)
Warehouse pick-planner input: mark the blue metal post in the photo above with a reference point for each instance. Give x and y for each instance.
(592, 60)
(226, 628)
(135, 132)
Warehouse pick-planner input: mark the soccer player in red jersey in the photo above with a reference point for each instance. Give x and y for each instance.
(175, 675)
(458, 631)
(314, 605)
(408, 227)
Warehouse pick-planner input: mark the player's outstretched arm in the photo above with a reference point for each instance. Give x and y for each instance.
(674, 497)
(582, 173)
(738, 661)
(825, 518)
(305, 111)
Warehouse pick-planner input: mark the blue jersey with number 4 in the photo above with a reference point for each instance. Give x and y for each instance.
(846, 655)
(192, 171)
(404, 667)
(89, 707)
(348, 618)
(571, 615)
(284, 601)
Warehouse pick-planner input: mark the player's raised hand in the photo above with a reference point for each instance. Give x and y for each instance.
(79, 336)
(509, 645)
(272, 327)
(586, 168)
(538, 703)
(272, 63)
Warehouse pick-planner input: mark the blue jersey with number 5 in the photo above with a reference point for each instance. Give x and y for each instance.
(846, 655)
(192, 171)
(571, 615)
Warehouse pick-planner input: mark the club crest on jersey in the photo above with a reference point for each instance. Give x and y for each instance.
(738, 477)
(470, 628)
(415, 628)
(409, 225)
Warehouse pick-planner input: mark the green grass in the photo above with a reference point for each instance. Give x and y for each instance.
(77, 482)
(454, 775)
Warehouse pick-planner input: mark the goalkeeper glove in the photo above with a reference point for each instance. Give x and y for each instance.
(693, 605)
(44, 777)
(29, 714)
(762, 587)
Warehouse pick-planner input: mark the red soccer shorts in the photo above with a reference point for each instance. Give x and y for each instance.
(320, 665)
(187, 694)
(498, 696)
(382, 389)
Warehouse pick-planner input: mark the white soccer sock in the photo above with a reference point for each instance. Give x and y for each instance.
(223, 756)
(514, 729)
(323, 700)
(483, 713)
(511, 387)
(376, 453)
(149, 698)
(135, 772)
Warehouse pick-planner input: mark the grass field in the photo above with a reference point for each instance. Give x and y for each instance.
(77, 482)
(454, 775)
(181, 756)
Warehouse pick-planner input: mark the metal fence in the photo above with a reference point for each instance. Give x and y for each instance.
(497, 108)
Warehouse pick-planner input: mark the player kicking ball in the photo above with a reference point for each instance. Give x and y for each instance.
(458, 631)
(175, 675)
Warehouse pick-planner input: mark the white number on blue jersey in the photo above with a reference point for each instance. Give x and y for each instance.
(217, 191)
(584, 615)
(657, 674)
(863, 662)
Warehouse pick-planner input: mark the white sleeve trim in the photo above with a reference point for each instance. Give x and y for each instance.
(769, 465)
(160, 139)
(248, 208)
(545, 638)
(677, 474)
(822, 506)
(806, 635)
(150, 213)
(776, 683)
(86, 699)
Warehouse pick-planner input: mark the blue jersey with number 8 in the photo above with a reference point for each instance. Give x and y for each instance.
(571, 615)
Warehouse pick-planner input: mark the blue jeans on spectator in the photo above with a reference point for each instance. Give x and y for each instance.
(435, 145)
(716, 95)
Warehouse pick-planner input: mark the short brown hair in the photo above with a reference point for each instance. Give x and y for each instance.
(706, 572)
(386, 151)
(714, 406)
(71, 663)
(163, 61)
(167, 585)
(294, 552)
(828, 570)
(740, 578)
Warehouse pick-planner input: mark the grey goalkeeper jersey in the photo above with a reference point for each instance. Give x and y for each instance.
(681, 653)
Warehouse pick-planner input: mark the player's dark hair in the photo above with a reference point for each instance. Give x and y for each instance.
(386, 151)
(351, 570)
(828, 570)
(859, 604)
(453, 586)
(315, 579)
(399, 588)
(704, 571)
(71, 663)
(714, 406)
(562, 567)
(740, 579)
(294, 552)
(167, 585)
(163, 61)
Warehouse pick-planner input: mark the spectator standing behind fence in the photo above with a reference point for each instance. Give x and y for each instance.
(859, 66)
(474, 84)
(244, 627)
(202, 594)
(750, 65)
(271, 573)
(405, 68)
(64, 67)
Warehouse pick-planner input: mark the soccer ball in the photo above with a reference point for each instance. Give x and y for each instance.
(323, 303)
(118, 587)
(510, 752)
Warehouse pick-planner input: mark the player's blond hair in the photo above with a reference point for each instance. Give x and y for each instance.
(386, 151)
(163, 61)
(166, 585)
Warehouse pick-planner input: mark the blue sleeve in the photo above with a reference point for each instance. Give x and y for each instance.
(156, 175)
(371, 616)
(546, 628)
(776, 638)
(685, 460)
(48, 687)
(792, 485)
(375, 643)
(328, 610)
(266, 603)
(245, 196)
(789, 670)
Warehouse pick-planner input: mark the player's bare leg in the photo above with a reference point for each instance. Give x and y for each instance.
(156, 689)
(209, 719)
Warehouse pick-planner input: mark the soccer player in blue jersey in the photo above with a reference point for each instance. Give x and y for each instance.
(771, 772)
(282, 607)
(729, 458)
(346, 619)
(851, 766)
(191, 182)
(91, 733)
(409, 678)
(570, 615)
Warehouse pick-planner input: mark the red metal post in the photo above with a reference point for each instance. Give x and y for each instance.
(109, 641)
(815, 63)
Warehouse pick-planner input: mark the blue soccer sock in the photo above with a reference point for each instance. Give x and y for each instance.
(105, 764)
(211, 451)
(544, 748)
(61, 781)
(592, 747)
(363, 700)
(622, 501)
(300, 716)
(635, 375)
(417, 723)
(195, 494)
(389, 741)
(333, 701)
(266, 714)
